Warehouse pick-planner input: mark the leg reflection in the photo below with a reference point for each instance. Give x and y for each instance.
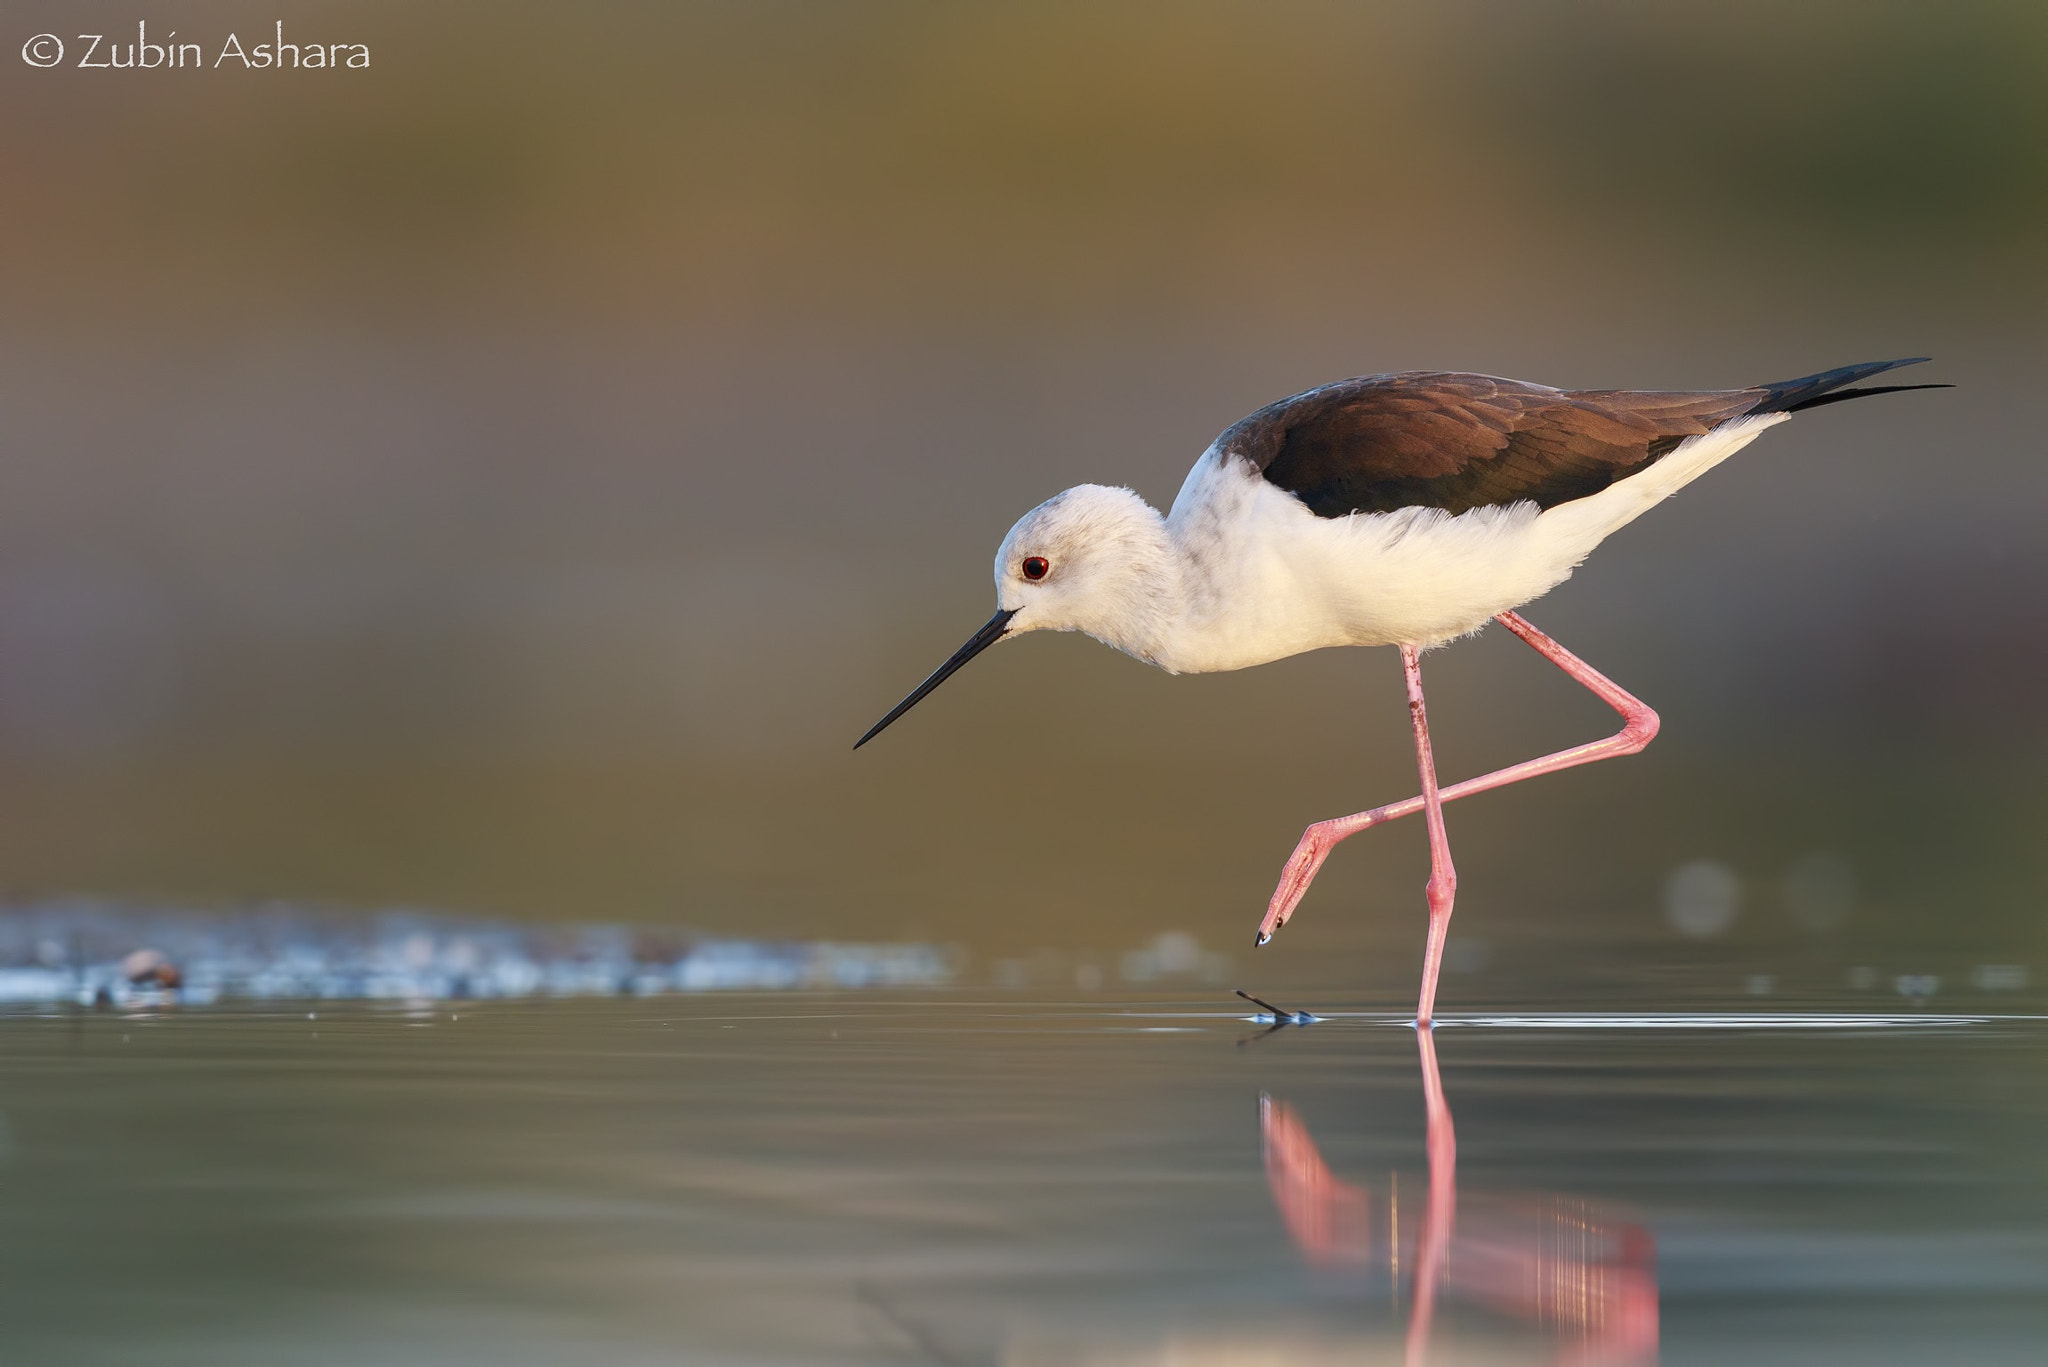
(1440, 1215)
(1583, 1277)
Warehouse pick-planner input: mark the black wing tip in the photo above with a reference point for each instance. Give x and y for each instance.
(1810, 391)
(1863, 393)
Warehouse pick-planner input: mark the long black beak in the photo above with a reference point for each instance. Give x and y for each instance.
(981, 640)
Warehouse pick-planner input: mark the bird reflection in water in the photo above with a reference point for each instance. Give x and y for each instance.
(1586, 1277)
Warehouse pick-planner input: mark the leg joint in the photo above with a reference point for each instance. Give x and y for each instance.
(1640, 730)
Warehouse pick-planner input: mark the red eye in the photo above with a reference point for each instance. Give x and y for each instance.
(1036, 567)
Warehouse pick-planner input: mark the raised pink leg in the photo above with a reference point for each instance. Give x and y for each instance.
(1442, 889)
(1639, 726)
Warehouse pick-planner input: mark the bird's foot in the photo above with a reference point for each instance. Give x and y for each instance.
(1309, 853)
(1278, 1016)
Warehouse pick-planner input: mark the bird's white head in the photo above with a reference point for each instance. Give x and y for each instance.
(1092, 559)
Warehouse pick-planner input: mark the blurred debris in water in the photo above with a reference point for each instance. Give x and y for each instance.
(1170, 957)
(1701, 898)
(1173, 954)
(1999, 977)
(1918, 986)
(93, 952)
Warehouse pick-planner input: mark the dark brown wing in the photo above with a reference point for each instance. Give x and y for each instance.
(1439, 439)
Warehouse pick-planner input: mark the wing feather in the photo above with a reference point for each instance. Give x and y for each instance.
(1456, 442)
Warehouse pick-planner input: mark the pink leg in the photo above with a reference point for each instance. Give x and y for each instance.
(1443, 878)
(1639, 726)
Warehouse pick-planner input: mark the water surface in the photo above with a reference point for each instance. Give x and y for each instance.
(995, 1178)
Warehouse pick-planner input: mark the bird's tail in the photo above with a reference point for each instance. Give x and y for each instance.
(1811, 391)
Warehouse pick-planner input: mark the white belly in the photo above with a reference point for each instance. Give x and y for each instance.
(1268, 579)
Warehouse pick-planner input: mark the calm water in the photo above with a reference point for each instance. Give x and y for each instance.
(969, 1178)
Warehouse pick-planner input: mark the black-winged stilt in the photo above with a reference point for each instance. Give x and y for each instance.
(1402, 510)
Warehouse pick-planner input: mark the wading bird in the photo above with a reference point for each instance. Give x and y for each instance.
(1404, 510)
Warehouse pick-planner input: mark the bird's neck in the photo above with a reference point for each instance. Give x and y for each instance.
(1142, 616)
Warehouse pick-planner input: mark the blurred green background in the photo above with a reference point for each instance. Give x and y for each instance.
(508, 478)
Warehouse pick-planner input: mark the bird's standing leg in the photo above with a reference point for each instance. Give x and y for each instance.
(1639, 726)
(1443, 878)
